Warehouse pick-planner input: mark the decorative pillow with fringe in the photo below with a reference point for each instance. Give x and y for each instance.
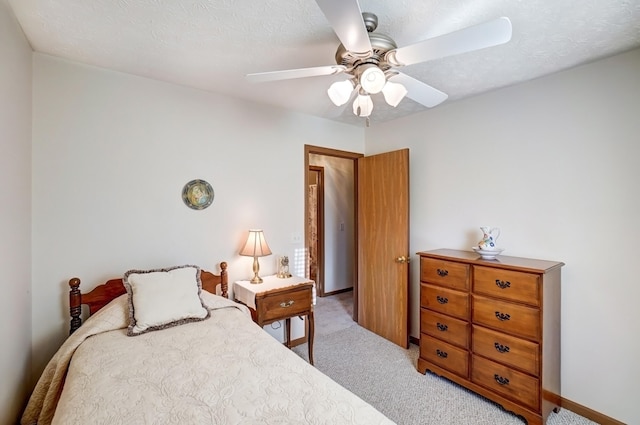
(163, 298)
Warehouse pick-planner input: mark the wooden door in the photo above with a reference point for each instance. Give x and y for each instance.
(383, 245)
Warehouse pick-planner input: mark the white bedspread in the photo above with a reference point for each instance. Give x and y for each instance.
(224, 370)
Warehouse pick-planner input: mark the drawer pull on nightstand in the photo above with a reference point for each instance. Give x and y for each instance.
(287, 304)
(502, 284)
(441, 327)
(502, 316)
(500, 380)
(442, 354)
(501, 348)
(442, 300)
(442, 273)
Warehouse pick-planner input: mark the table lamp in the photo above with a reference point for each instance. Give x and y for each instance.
(255, 247)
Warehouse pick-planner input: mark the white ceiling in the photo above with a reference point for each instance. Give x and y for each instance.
(212, 44)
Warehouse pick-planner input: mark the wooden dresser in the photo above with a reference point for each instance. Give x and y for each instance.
(493, 326)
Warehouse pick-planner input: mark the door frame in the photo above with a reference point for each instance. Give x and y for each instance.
(353, 156)
(320, 221)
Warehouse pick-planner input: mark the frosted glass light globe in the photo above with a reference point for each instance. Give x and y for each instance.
(372, 79)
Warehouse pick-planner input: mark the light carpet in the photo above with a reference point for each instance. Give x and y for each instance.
(385, 375)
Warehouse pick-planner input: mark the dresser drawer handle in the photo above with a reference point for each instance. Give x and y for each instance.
(442, 354)
(287, 304)
(503, 284)
(442, 273)
(501, 348)
(441, 327)
(442, 300)
(500, 380)
(502, 316)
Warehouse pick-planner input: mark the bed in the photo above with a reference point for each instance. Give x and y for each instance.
(122, 367)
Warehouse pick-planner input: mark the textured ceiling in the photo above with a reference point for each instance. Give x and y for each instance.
(213, 44)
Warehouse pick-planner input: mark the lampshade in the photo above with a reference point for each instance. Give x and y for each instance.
(393, 93)
(363, 105)
(255, 247)
(340, 92)
(372, 79)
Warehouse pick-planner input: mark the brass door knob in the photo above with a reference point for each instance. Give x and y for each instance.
(402, 259)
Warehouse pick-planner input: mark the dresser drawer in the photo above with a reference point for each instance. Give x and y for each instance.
(278, 305)
(447, 301)
(507, 284)
(509, 350)
(444, 355)
(446, 328)
(446, 273)
(508, 317)
(512, 384)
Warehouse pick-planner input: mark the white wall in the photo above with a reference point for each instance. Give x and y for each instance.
(339, 221)
(15, 215)
(111, 153)
(555, 163)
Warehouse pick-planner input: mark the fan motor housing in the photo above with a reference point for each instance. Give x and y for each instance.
(380, 44)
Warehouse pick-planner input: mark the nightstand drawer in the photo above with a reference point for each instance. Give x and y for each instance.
(276, 305)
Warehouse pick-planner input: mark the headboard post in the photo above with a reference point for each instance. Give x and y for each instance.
(224, 283)
(75, 307)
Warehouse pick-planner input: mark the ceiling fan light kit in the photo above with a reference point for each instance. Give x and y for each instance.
(369, 58)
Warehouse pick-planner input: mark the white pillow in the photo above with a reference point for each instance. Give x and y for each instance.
(163, 298)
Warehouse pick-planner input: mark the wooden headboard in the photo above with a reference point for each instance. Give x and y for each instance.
(101, 295)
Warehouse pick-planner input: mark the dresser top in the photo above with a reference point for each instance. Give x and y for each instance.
(501, 261)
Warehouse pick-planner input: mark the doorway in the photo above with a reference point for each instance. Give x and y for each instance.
(330, 182)
(378, 220)
(315, 226)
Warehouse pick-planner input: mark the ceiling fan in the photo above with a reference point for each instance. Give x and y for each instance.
(370, 60)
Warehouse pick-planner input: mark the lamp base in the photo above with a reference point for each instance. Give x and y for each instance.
(256, 270)
(256, 279)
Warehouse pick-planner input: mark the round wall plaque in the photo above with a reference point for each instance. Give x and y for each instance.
(197, 194)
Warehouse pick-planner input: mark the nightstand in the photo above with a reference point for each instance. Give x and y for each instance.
(279, 299)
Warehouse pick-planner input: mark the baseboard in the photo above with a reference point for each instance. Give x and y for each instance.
(590, 414)
(339, 291)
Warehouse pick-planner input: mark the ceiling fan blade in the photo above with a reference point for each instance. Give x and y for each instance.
(489, 34)
(419, 91)
(295, 73)
(345, 18)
